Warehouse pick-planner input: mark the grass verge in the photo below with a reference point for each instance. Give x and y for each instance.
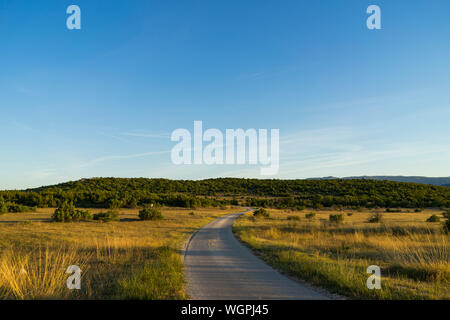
(126, 259)
(413, 254)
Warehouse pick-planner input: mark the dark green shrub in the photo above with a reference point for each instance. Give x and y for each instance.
(3, 206)
(82, 215)
(294, 218)
(336, 218)
(446, 214)
(393, 210)
(447, 226)
(114, 204)
(418, 210)
(66, 212)
(261, 213)
(192, 213)
(433, 218)
(14, 207)
(376, 218)
(300, 208)
(110, 215)
(150, 214)
(310, 215)
(349, 214)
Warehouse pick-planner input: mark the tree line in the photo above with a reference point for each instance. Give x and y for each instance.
(138, 192)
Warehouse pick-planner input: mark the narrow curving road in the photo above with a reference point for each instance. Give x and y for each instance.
(218, 267)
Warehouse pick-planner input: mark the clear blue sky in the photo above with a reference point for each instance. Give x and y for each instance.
(103, 100)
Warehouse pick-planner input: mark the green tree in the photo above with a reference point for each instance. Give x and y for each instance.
(64, 212)
(3, 206)
(148, 213)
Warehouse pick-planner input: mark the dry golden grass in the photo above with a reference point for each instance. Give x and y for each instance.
(127, 259)
(36, 274)
(414, 255)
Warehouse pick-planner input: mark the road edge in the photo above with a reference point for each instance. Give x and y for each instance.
(185, 246)
(325, 292)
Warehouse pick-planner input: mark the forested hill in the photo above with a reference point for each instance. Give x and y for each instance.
(103, 192)
(437, 181)
(242, 187)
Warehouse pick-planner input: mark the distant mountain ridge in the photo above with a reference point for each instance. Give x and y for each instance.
(437, 181)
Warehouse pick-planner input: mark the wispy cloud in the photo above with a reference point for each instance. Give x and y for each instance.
(253, 76)
(118, 157)
(115, 137)
(23, 126)
(42, 173)
(327, 151)
(147, 135)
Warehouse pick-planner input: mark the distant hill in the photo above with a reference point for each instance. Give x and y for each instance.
(437, 181)
(122, 192)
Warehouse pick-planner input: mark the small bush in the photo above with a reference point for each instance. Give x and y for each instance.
(418, 210)
(433, 218)
(300, 208)
(150, 214)
(310, 215)
(14, 207)
(66, 212)
(393, 210)
(349, 214)
(192, 213)
(447, 226)
(294, 218)
(261, 213)
(110, 215)
(337, 218)
(114, 204)
(3, 206)
(446, 214)
(81, 215)
(376, 218)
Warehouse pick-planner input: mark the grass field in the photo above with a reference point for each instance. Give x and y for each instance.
(130, 259)
(413, 254)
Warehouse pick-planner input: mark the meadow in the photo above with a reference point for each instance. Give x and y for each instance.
(126, 259)
(414, 255)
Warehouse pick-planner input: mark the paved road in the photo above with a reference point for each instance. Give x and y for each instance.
(218, 267)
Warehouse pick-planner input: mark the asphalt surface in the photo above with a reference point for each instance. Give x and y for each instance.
(219, 267)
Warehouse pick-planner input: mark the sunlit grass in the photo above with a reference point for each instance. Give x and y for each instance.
(414, 255)
(130, 259)
(37, 274)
